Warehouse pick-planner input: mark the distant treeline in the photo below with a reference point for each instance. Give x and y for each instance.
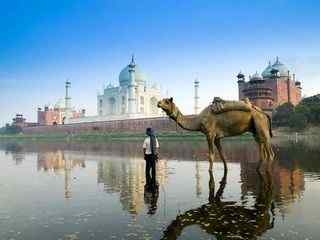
(306, 113)
(10, 129)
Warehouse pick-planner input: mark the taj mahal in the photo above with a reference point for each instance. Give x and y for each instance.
(134, 97)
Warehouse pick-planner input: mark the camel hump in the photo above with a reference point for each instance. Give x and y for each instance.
(219, 105)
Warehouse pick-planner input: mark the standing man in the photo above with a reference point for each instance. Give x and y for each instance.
(150, 150)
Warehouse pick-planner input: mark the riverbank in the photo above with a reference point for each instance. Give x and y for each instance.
(279, 133)
(96, 137)
(286, 131)
(92, 137)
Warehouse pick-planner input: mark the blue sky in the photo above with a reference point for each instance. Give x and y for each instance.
(42, 43)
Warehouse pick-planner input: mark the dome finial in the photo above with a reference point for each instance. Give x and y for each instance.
(132, 64)
(132, 60)
(277, 59)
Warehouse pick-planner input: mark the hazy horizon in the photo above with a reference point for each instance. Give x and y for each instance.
(90, 42)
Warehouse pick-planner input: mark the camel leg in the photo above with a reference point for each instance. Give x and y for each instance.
(256, 138)
(268, 154)
(271, 153)
(220, 190)
(262, 154)
(211, 187)
(263, 138)
(218, 145)
(211, 152)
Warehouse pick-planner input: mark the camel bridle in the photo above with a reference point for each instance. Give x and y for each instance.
(173, 114)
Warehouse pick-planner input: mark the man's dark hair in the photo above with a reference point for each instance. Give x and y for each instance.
(150, 131)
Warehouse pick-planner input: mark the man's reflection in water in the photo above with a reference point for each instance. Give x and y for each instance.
(151, 195)
(226, 219)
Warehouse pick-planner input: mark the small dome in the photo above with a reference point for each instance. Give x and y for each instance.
(60, 104)
(256, 76)
(240, 75)
(266, 72)
(124, 76)
(110, 85)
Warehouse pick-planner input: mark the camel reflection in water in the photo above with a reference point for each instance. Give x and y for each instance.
(225, 219)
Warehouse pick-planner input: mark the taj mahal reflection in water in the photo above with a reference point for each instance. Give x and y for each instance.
(119, 170)
(126, 175)
(118, 175)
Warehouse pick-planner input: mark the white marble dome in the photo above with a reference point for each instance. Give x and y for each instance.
(124, 76)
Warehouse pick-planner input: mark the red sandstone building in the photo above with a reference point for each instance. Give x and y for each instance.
(61, 112)
(57, 114)
(275, 86)
(20, 121)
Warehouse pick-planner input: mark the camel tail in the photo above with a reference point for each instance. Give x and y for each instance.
(268, 119)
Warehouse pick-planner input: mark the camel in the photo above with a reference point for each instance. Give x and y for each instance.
(226, 122)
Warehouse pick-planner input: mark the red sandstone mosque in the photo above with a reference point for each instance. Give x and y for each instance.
(275, 86)
(61, 112)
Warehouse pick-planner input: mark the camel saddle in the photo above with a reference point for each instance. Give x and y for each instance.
(219, 105)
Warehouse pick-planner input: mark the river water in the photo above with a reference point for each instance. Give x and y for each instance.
(97, 191)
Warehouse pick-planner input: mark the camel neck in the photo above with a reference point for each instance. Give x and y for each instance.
(187, 123)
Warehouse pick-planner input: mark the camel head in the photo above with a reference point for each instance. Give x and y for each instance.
(168, 106)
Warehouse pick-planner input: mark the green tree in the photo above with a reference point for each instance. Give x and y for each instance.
(298, 121)
(282, 113)
(12, 129)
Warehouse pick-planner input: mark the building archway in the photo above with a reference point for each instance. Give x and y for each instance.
(153, 105)
(112, 106)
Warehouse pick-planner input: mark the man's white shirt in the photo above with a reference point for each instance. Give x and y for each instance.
(146, 145)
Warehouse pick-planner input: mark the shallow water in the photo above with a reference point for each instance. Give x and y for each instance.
(97, 191)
